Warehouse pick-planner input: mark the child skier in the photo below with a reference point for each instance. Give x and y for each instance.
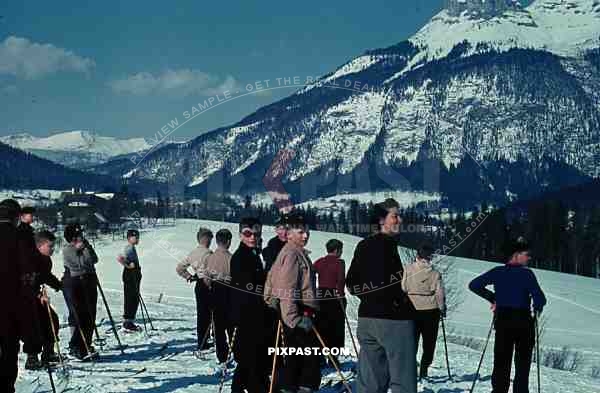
(132, 276)
(45, 315)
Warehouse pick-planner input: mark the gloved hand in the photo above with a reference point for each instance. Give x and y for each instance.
(305, 323)
(193, 278)
(344, 302)
(443, 313)
(274, 303)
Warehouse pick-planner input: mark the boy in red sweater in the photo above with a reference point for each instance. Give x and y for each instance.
(331, 272)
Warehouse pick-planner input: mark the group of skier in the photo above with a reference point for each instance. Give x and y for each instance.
(254, 299)
(27, 314)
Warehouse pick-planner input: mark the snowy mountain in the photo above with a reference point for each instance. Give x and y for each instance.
(163, 361)
(21, 170)
(76, 148)
(475, 106)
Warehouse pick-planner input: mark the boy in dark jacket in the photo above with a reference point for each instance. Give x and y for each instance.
(247, 311)
(44, 241)
(275, 244)
(132, 277)
(515, 287)
(386, 329)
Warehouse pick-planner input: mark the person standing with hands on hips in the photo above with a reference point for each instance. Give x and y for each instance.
(197, 261)
(515, 289)
(132, 277)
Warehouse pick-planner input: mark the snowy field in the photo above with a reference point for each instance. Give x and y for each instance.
(169, 365)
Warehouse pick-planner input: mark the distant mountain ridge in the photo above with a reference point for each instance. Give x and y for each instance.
(76, 148)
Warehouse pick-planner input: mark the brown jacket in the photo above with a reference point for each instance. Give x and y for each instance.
(197, 260)
(424, 287)
(218, 266)
(292, 280)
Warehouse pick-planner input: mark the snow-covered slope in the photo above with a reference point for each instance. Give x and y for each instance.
(73, 148)
(572, 312)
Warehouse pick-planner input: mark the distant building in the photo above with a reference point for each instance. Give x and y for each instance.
(87, 208)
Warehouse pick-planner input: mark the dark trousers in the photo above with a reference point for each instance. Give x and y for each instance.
(68, 296)
(84, 296)
(250, 354)
(331, 320)
(300, 370)
(131, 291)
(515, 332)
(217, 303)
(45, 342)
(427, 323)
(202, 312)
(9, 351)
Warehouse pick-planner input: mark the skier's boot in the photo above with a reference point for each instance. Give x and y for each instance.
(129, 326)
(33, 363)
(50, 357)
(423, 372)
(304, 389)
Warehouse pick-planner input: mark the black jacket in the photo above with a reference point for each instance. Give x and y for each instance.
(247, 284)
(10, 278)
(375, 276)
(45, 275)
(271, 251)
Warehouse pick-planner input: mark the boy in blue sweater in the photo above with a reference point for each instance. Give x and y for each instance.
(515, 287)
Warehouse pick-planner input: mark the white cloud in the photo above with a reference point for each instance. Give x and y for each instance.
(182, 82)
(29, 60)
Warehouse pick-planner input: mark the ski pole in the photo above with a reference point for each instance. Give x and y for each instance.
(39, 332)
(205, 338)
(446, 347)
(144, 321)
(55, 336)
(314, 329)
(112, 321)
(143, 303)
(229, 350)
(537, 352)
(275, 358)
(349, 328)
(51, 378)
(79, 329)
(482, 355)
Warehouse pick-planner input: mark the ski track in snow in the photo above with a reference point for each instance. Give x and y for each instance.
(175, 321)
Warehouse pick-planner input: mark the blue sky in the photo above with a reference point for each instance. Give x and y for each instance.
(125, 68)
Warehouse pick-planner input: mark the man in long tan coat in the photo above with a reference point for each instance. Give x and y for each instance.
(292, 280)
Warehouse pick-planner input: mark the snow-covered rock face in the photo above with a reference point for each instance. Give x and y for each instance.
(479, 8)
(74, 148)
(561, 27)
(516, 91)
